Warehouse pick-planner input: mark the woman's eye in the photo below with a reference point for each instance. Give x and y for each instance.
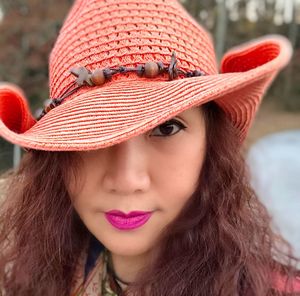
(167, 129)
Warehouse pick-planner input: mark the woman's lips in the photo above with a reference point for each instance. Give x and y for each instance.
(128, 221)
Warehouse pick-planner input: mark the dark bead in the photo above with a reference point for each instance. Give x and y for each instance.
(140, 70)
(122, 69)
(107, 73)
(151, 69)
(48, 108)
(198, 73)
(98, 77)
(56, 102)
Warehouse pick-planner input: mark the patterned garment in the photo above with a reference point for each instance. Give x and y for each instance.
(99, 282)
(109, 285)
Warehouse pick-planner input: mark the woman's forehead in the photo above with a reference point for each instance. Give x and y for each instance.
(192, 112)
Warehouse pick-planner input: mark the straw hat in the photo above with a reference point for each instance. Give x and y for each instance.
(120, 68)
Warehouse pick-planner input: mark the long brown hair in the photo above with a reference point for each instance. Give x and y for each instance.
(220, 244)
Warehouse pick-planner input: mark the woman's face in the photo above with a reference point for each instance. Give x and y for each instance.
(133, 190)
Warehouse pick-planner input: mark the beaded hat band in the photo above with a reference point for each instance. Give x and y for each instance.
(125, 78)
(99, 76)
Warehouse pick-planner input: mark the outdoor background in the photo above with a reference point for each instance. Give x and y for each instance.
(28, 29)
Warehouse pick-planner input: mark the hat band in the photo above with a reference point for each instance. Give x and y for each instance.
(98, 77)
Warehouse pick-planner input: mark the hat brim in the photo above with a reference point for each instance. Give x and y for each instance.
(105, 116)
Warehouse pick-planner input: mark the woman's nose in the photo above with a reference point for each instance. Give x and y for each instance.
(127, 169)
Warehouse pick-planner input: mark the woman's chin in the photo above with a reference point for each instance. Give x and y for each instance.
(124, 246)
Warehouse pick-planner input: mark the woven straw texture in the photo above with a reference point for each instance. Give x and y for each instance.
(112, 33)
(99, 34)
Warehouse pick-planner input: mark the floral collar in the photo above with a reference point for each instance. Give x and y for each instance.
(99, 281)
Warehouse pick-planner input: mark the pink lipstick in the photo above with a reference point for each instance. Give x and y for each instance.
(128, 221)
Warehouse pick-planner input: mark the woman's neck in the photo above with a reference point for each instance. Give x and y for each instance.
(127, 268)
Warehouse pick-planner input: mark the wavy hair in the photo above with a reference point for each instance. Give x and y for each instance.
(220, 244)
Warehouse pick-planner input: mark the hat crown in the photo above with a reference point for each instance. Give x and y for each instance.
(112, 33)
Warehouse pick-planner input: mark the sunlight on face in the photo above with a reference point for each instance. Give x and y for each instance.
(155, 172)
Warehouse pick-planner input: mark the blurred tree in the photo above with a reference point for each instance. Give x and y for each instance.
(221, 28)
(27, 33)
(291, 89)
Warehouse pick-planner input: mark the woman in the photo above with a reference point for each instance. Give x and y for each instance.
(133, 182)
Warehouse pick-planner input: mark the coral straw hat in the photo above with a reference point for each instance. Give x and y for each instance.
(121, 67)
